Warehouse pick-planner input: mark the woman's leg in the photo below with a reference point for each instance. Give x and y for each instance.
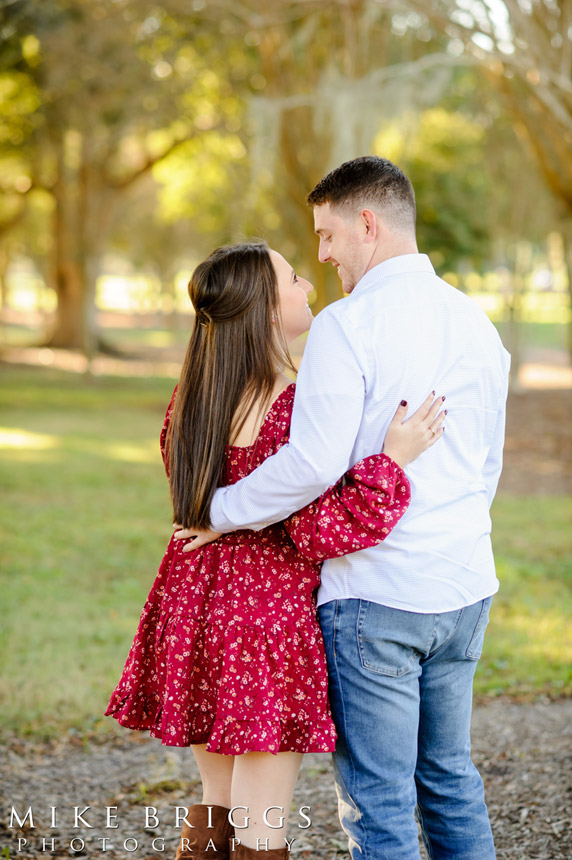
(261, 780)
(206, 832)
(216, 775)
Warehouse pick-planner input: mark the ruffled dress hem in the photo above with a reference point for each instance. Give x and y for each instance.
(142, 711)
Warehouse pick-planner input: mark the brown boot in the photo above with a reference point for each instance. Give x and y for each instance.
(241, 852)
(196, 842)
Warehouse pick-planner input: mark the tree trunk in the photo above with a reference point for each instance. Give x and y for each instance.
(68, 269)
(81, 218)
(69, 285)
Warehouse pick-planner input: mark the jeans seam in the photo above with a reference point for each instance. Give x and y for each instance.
(468, 653)
(334, 637)
(449, 637)
(349, 792)
(334, 631)
(426, 839)
(432, 636)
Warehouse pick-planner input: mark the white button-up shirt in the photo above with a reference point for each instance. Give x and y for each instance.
(402, 333)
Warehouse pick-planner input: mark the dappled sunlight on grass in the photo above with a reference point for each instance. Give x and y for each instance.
(23, 442)
(133, 453)
(86, 527)
(18, 439)
(544, 633)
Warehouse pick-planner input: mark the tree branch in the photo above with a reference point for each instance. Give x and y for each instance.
(121, 184)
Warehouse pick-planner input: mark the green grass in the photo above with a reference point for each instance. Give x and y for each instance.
(86, 518)
(528, 647)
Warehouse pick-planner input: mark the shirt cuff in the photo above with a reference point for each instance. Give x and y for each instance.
(219, 522)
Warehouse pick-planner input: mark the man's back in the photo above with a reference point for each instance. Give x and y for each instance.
(412, 333)
(402, 657)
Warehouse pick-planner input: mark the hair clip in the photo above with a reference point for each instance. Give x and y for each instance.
(203, 318)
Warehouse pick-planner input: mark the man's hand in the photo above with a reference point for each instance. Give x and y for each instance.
(199, 538)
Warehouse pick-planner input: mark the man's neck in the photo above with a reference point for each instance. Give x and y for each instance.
(398, 248)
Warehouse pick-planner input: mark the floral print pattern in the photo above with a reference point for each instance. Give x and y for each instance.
(228, 651)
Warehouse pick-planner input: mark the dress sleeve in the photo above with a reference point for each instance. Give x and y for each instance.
(359, 511)
(164, 429)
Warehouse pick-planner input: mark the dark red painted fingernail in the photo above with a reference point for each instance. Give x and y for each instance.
(404, 403)
(433, 393)
(446, 411)
(443, 397)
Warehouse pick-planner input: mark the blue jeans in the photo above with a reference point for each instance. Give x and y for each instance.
(401, 695)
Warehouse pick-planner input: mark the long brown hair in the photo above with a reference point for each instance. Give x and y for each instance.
(232, 360)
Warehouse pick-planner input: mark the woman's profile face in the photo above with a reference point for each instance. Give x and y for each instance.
(293, 298)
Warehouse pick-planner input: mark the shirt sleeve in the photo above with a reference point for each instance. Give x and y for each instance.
(328, 406)
(358, 512)
(493, 463)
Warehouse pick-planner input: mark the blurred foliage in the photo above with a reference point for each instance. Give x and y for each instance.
(442, 152)
(105, 91)
(525, 50)
(466, 166)
(157, 130)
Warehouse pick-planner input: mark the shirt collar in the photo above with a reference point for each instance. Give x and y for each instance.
(394, 266)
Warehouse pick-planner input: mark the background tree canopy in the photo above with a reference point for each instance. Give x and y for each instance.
(158, 130)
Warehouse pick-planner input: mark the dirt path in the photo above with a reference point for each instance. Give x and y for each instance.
(522, 750)
(538, 446)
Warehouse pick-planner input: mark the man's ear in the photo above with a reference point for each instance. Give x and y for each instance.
(370, 222)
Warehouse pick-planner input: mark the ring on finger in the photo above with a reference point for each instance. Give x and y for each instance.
(432, 431)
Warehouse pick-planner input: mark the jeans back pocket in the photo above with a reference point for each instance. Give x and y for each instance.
(390, 641)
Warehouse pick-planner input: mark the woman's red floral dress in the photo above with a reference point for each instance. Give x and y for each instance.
(228, 651)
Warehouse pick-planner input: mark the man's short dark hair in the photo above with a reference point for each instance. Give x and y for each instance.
(368, 182)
